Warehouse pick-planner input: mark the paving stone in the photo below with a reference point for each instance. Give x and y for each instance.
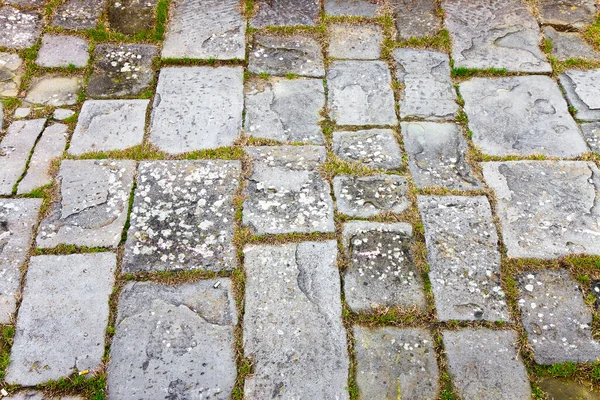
(11, 72)
(591, 133)
(106, 125)
(292, 325)
(463, 257)
(26, 3)
(62, 319)
(395, 363)
(416, 18)
(287, 110)
(1, 116)
(436, 155)
(381, 271)
(22, 112)
(131, 17)
(581, 89)
(358, 42)
(92, 206)
(560, 388)
(174, 342)
(31, 395)
(368, 196)
(485, 364)
(285, 13)
(19, 29)
(52, 90)
(494, 34)
(360, 93)
(546, 208)
(567, 14)
(376, 148)
(60, 114)
(353, 8)
(79, 14)
(570, 45)
(522, 115)
(62, 51)
(282, 55)
(183, 216)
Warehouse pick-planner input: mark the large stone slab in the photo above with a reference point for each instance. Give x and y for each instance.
(11, 72)
(63, 51)
(132, 17)
(78, 14)
(567, 14)
(19, 29)
(570, 45)
(353, 8)
(285, 13)
(463, 256)
(377, 148)
(416, 18)
(54, 90)
(292, 323)
(183, 216)
(197, 108)
(174, 342)
(63, 317)
(591, 134)
(522, 115)
(582, 88)
(357, 42)
(547, 208)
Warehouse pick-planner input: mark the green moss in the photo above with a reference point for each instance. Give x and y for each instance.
(463, 72)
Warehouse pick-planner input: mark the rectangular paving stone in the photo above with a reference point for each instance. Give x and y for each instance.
(416, 18)
(11, 72)
(591, 134)
(132, 17)
(63, 317)
(377, 148)
(292, 323)
(63, 51)
(567, 14)
(174, 341)
(353, 8)
(355, 41)
(581, 89)
(78, 14)
(31, 395)
(54, 90)
(567, 45)
(19, 29)
(183, 216)
(463, 256)
(285, 13)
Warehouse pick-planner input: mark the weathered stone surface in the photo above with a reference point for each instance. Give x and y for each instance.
(360, 93)
(591, 133)
(370, 195)
(183, 216)
(436, 155)
(105, 125)
(287, 110)
(567, 14)
(416, 18)
(174, 342)
(26, 3)
(11, 71)
(358, 42)
(22, 112)
(352, 8)
(285, 13)
(569, 45)
(494, 34)
(131, 17)
(93, 203)
(197, 108)
(463, 258)
(557, 388)
(60, 114)
(282, 55)
(19, 29)
(395, 363)
(521, 115)
(31, 395)
(582, 88)
(292, 324)
(375, 148)
(52, 90)
(485, 364)
(78, 14)
(63, 317)
(547, 208)
(62, 51)
(285, 192)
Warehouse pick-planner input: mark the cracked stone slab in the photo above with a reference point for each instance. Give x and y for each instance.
(376, 148)
(591, 134)
(357, 42)
(522, 115)
(352, 8)
(19, 29)
(131, 17)
(183, 216)
(547, 209)
(79, 14)
(581, 89)
(92, 206)
(494, 34)
(395, 363)
(31, 395)
(105, 125)
(292, 325)
(285, 13)
(485, 364)
(570, 45)
(11, 72)
(197, 108)
(416, 18)
(567, 14)
(63, 317)
(53, 90)
(62, 51)
(463, 256)
(174, 341)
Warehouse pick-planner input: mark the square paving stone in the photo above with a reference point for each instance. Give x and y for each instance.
(567, 14)
(106, 125)
(131, 17)
(92, 206)
(292, 325)
(285, 192)
(63, 317)
(183, 216)
(360, 93)
(436, 155)
(591, 133)
(62, 51)
(197, 108)
(287, 110)
(381, 271)
(53, 90)
(352, 41)
(174, 342)
(353, 8)
(522, 115)
(19, 29)
(285, 13)
(546, 208)
(11, 72)
(463, 256)
(582, 89)
(485, 364)
(79, 14)
(376, 148)
(567, 45)
(395, 363)
(416, 18)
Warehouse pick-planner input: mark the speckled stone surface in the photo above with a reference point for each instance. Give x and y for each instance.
(352, 8)
(356, 42)
(567, 45)
(591, 134)
(54, 90)
(19, 29)
(132, 17)
(416, 18)
(285, 13)
(79, 14)
(11, 71)
(62, 51)
(581, 89)
(31, 395)
(375, 148)
(281, 55)
(567, 14)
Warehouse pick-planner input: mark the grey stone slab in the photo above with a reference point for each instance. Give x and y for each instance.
(287, 110)
(522, 115)
(494, 34)
(197, 108)
(570, 45)
(92, 206)
(26, 3)
(174, 342)
(53, 90)
(183, 216)
(368, 196)
(285, 192)
(31, 395)
(19, 29)
(463, 256)
(131, 17)
(591, 134)
(485, 364)
(285, 13)
(63, 317)
(357, 42)
(78, 14)
(60, 114)
(416, 18)
(360, 93)
(547, 208)
(22, 112)
(560, 388)
(567, 14)
(106, 125)
(581, 89)
(376, 148)
(62, 51)
(394, 363)
(353, 8)
(292, 323)
(11, 72)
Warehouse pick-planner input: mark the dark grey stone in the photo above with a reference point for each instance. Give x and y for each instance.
(19, 29)
(582, 88)
(357, 42)
(567, 14)
(285, 13)
(416, 18)
(79, 14)
(11, 72)
(376, 148)
(570, 45)
(131, 17)
(54, 90)
(62, 51)
(591, 134)
(353, 8)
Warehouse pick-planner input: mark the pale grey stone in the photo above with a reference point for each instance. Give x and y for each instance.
(582, 89)
(282, 55)
(60, 114)
(570, 45)
(197, 108)
(31, 395)
(463, 256)
(1, 116)
(285, 13)
(591, 133)
(376, 148)
(353, 8)
(26, 3)
(19, 29)
(50, 90)
(132, 17)
(368, 196)
(11, 72)
(292, 323)
(62, 51)
(358, 42)
(79, 14)
(22, 112)
(567, 14)
(522, 115)
(416, 18)
(63, 317)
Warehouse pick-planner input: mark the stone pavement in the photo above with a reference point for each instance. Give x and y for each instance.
(299, 199)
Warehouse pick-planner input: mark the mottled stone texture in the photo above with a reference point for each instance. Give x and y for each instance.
(285, 13)
(19, 29)
(375, 148)
(567, 45)
(62, 51)
(78, 14)
(281, 55)
(53, 90)
(582, 89)
(31, 395)
(131, 17)
(11, 71)
(353, 8)
(591, 133)
(358, 42)
(416, 18)
(567, 14)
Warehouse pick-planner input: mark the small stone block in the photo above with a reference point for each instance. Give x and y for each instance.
(416, 18)
(22, 112)
(19, 29)
(62, 51)
(582, 88)
(285, 13)
(78, 14)
(60, 114)
(570, 45)
(567, 14)
(132, 17)
(353, 8)
(376, 148)
(54, 91)
(591, 134)
(358, 42)
(11, 72)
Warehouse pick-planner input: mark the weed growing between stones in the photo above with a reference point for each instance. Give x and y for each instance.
(464, 73)
(592, 34)
(7, 332)
(65, 249)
